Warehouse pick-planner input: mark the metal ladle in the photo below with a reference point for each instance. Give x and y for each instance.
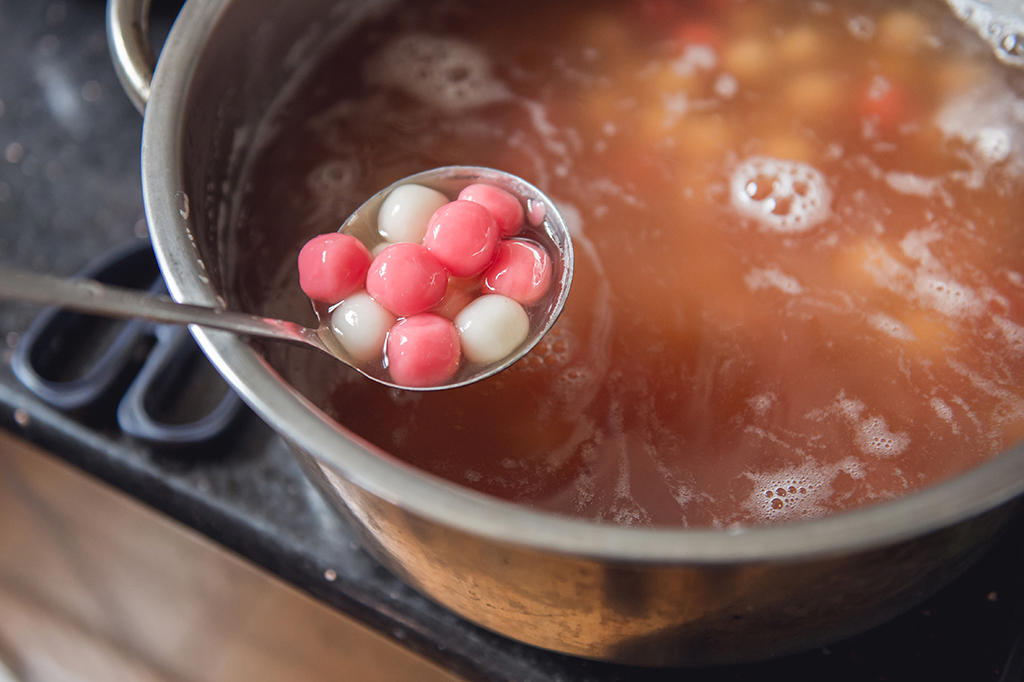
(544, 223)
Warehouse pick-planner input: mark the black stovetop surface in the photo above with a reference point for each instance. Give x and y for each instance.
(70, 190)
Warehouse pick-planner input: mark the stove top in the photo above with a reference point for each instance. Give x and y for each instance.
(70, 191)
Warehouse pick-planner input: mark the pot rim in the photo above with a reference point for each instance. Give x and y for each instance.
(301, 423)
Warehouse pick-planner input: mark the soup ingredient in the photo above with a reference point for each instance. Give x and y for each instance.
(405, 212)
(332, 266)
(406, 279)
(361, 325)
(491, 327)
(502, 205)
(521, 270)
(423, 350)
(903, 30)
(462, 235)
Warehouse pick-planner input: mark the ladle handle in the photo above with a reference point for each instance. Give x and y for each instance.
(89, 296)
(128, 38)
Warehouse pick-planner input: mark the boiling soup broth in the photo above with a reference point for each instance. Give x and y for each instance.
(799, 278)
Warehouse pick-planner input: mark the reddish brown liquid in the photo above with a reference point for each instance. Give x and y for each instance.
(708, 369)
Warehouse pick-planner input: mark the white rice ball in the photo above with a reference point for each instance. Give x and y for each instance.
(491, 327)
(361, 326)
(404, 215)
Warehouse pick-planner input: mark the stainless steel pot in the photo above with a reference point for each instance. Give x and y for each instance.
(651, 596)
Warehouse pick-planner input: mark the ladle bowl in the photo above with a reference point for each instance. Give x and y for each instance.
(100, 299)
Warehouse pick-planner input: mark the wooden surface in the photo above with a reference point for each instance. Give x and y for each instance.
(93, 586)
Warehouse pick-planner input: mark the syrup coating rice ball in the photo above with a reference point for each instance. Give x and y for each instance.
(423, 350)
(521, 270)
(406, 279)
(332, 266)
(503, 206)
(461, 290)
(404, 215)
(361, 325)
(491, 327)
(462, 235)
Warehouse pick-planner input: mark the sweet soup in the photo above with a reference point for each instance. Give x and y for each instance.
(799, 280)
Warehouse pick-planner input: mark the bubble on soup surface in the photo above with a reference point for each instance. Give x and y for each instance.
(443, 72)
(993, 145)
(912, 184)
(927, 284)
(852, 467)
(574, 379)
(624, 508)
(1012, 332)
(871, 433)
(883, 269)
(916, 246)
(772, 278)
(948, 297)
(762, 402)
(985, 119)
(875, 438)
(944, 412)
(791, 493)
(553, 350)
(785, 196)
(891, 326)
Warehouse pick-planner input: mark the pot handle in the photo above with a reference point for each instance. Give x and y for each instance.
(128, 38)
